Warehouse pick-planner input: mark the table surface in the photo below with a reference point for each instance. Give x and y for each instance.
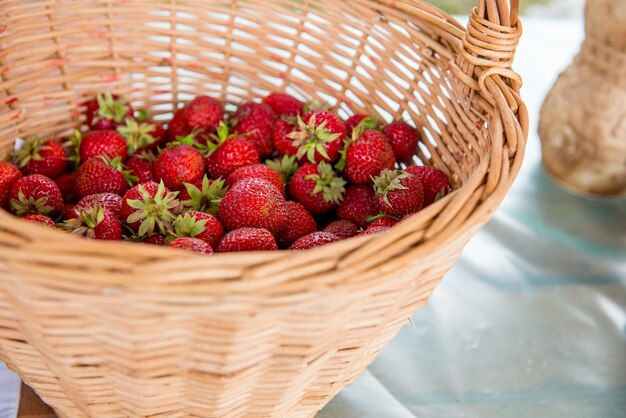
(532, 320)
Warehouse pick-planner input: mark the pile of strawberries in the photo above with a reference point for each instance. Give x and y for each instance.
(270, 175)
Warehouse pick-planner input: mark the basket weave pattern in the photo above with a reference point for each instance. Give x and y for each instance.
(124, 330)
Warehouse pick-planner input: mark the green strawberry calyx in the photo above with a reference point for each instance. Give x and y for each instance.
(207, 198)
(111, 108)
(285, 166)
(311, 138)
(137, 135)
(388, 181)
(328, 183)
(85, 223)
(156, 212)
(33, 145)
(117, 164)
(75, 140)
(187, 225)
(23, 205)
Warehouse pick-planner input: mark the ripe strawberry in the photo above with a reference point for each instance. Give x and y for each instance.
(204, 195)
(257, 171)
(178, 164)
(95, 222)
(358, 205)
(97, 143)
(9, 174)
(317, 188)
(141, 168)
(367, 156)
(248, 239)
(39, 156)
(375, 230)
(316, 239)
(107, 111)
(142, 136)
(319, 136)
(35, 194)
(286, 167)
(367, 122)
(109, 201)
(40, 219)
(254, 122)
(253, 203)
(384, 220)
(342, 229)
(101, 175)
(230, 153)
(68, 211)
(281, 138)
(403, 139)
(398, 193)
(299, 223)
(191, 244)
(178, 126)
(204, 113)
(436, 183)
(284, 104)
(67, 185)
(199, 225)
(158, 240)
(150, 208)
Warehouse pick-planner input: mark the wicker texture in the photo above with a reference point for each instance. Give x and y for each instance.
(125, 330)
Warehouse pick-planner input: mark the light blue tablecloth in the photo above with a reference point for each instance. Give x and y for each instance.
(532, 321)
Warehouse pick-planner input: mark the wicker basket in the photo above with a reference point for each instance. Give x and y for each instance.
(126, 330)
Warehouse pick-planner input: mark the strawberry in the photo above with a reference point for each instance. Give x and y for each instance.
(68, 211)
(367, 122)
(40, 219)
(142, 136)
(39, 156)
(67, 185)
(284, 104)
(358, 205)
(178, 126)
(107, 111)
(141, 168)
(314, 239)
(254, 121)
(253, 203)
(299, 223)
(204, 195)
(230, 153)
(319, 136)
(199, 225)
(317, 188)
(375, 230)
(204, 113)
(150, 208)
(383, 220)
(398, 193)
(248, 239)
(403, 139)
(367, 156)
(9, 174)
(101, 175)
(155, 240)
(97, 143)
(191, 244)
(178, 164)
(35, 194)
(436, 183)
(95, 222)
(342, 229)
(281, 138)
(286, 167)
(257, 171)
(109, 201)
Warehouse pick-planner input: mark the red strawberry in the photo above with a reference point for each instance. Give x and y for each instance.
(284, 104)
(204, 195)
(253, 203)
(38, 156)
(283, 143)
(199, 225)
(317, 187)
(316, 239)
(398, 193)
(142, 136)
(191, 244)
(35, 194)
(375, 230)
(67, 185)
(299, 223)
(342, 229)
(178, 126)
(367, 122)
(204, 113)
(150, 208)
(107, 111)
(101, 175)
(254, 121)
(385, 221)
(403, 139)
(248, 239)
(155, 240)
(68, 211)
(436, 183)
(358, 205)
(9, 174)
(230, 153)
(142, 169)
(178, 164)
(319, 136)
(257, 171)
(109, 201)
(40, 219)
(95, 222)
(367, 157)
(97, 143)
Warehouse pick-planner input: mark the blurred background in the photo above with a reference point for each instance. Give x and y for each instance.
(565, 8)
